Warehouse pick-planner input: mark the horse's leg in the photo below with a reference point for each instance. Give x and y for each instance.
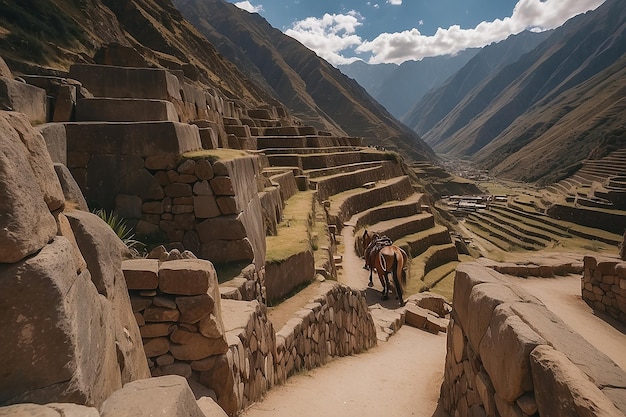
(385, 281)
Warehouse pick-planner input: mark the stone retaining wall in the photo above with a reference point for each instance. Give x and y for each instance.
(209, 207)
(508, 355)
(610, 221)
(336, 323)
(229, 346)
(285, 276)
(177, 306)
(398, 190)
(604, 286)
(346, 181)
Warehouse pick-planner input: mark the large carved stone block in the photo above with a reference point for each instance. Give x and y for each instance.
(62, 338)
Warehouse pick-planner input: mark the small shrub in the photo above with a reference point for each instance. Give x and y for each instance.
(122, 230)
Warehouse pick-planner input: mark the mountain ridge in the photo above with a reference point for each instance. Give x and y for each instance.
(315, 91)
(497, 123)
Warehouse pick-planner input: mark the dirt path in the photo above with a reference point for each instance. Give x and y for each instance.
(400, 377)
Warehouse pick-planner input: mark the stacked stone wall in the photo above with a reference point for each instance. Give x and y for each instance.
(508, 355)
(177, 306)
(611, 221)
(336, 323)
(604, 286)
(211, 208)
(230, 346)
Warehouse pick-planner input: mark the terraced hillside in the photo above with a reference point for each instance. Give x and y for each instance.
(518, 226)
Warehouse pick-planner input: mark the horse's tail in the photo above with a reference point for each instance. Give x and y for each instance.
(406, 268)
(398, 279)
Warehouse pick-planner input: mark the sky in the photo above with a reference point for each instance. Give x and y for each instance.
(394, 31)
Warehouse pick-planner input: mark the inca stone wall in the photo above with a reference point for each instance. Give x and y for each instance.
(508, 355)
(603, 286)
(177, 306)
(211, 208)
(230, 346)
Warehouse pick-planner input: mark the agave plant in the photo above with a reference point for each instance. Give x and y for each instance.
(121, 229)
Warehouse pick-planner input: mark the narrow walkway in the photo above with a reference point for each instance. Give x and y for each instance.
(562, 296)
(401, 377)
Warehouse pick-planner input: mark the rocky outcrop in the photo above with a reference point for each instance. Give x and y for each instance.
(507, 351)
(67, 311)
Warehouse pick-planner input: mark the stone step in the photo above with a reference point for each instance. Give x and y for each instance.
(400, 227)
(433, 257)
(514, 231)
(126, 82)
(100, 109)
(266, 142)
(140, 139)
(346, 204)
(342, 169)
(390, 210)
(334, 184)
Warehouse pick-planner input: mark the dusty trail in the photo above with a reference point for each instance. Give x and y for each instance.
(400, 377)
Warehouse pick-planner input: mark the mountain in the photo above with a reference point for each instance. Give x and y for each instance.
(312, 89)
(436, 104)
(399, 87)
(46, 36)
(562, 102)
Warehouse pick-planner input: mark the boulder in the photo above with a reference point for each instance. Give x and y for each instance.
(483, 299)
(26, 224)
(561, 389)
(210, 408)
(103, 250)
(63, 340)
(162, 396)
(49, 410)
(509, 373)
(24, 98)
(18, 128)
(71, 190)
(56, 141)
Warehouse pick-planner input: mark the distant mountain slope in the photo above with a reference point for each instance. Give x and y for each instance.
(552, 107)
(399, 87)
(46, 36)
(436, 104)
(312, 89)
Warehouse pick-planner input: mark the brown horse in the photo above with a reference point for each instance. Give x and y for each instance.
(389, 259)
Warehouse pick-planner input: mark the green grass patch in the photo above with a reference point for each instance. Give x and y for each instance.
(294, 231)
(215, 154)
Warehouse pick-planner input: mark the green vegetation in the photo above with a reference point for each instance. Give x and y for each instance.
(122, 230)
(215, 154)
(294, 232)
(32, 28)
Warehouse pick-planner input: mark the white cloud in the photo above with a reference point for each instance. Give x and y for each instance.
(334, 37)
(535, 15)
(330, 35)
(395, 2)
(247, 6)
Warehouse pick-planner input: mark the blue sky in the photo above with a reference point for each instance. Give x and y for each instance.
(399, 30)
